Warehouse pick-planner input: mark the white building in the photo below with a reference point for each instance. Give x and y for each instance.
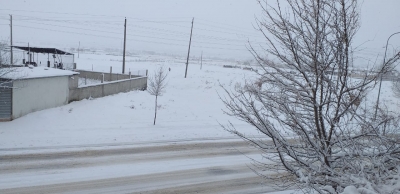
(30, 89)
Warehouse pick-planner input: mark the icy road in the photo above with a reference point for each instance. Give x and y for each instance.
(174, 167)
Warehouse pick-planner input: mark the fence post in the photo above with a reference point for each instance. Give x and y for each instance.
(102, 79)
(85, 79)
(111, 73)
(147, 71)
(130, 75)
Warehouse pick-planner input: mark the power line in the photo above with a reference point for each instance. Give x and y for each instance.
(230, 29)
(225, 32)
(66, 31)
(116, 23)
(30, 11)
(77, 22)
(158, 29)
(127, 39)
(112, 32)
(186, 34)
(76, 28)
(177, 33)
(199, 28)
(220, 23)
(28, 18)
(75, 14)
(137, 35)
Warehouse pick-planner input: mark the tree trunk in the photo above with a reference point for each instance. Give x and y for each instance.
(155, 112)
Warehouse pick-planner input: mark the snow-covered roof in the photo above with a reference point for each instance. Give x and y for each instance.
(36, 72)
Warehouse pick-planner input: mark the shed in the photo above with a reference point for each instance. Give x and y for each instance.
(29, 89)
(56, 53)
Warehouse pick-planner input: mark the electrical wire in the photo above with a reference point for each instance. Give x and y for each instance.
(195, 46)
(201, 37)
(138, 35)
(119, 23)
(176, 33)
(198, 41)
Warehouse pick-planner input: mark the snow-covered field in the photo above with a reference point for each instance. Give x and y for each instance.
(110, 145)
(189, 112)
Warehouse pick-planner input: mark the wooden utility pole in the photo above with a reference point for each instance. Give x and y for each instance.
(29, 54)
(123, 59)
(190, 42)
(11, 41)
(201, 60)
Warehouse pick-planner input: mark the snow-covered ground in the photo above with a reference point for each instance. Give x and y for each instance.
(189, 112)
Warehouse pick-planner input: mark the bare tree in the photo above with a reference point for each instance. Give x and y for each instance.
(3, 54)
(396, 87)
(157, 84)
(320, 134)
(5, 64)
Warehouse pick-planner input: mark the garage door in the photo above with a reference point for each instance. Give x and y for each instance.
(5, 101)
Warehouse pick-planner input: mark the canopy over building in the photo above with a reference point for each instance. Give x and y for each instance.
(43, 50)
(61, 59)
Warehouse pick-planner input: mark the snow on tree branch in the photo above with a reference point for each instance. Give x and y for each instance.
(156, 86)
(309, 103)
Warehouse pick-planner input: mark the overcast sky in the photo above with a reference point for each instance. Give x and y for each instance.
(221, 27)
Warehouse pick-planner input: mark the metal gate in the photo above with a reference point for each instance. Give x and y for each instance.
(5, 101)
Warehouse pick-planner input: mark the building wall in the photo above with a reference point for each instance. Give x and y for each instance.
(5, 100)
(30, 95)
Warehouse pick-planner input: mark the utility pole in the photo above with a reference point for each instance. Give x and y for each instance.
(201, 60)
(190, 42)
(29, 54)
(11, 41)
(123, 59)
(380, 74)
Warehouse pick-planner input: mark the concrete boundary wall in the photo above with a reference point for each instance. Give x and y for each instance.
(106, 89)
(108, 77)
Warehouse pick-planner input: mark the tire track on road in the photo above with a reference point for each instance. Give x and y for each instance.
(202, 170)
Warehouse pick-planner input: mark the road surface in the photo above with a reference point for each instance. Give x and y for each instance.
(187, 167)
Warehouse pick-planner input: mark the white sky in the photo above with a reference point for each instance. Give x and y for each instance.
(221, 27)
